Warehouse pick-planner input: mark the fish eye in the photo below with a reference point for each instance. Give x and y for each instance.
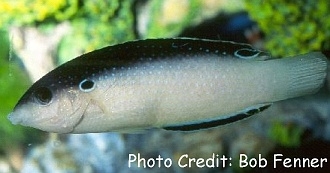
(87, 85)
(43, 95)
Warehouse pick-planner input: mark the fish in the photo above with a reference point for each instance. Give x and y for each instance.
(179, 84)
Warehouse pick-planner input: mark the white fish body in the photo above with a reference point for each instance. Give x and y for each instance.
(179, 85)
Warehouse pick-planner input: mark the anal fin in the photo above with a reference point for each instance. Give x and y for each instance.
(217, 122)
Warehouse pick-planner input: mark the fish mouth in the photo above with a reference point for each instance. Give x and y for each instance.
(14, 119)
(18, 117)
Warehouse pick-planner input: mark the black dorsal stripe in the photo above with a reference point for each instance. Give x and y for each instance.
(215, 123)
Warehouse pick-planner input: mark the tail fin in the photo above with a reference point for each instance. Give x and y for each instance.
(307, 73)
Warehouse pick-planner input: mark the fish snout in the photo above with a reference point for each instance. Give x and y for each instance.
(14, 118)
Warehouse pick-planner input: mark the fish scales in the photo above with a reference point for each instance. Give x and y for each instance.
(164, 83)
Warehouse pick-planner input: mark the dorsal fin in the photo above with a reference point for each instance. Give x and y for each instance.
(217, 122)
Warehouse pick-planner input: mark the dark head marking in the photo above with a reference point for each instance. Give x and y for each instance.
(86, 85)
(43, 95)
(246, 53)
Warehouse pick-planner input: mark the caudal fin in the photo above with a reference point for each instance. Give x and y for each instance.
(307, 73)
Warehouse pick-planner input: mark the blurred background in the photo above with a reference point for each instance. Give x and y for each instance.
(38, 35)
